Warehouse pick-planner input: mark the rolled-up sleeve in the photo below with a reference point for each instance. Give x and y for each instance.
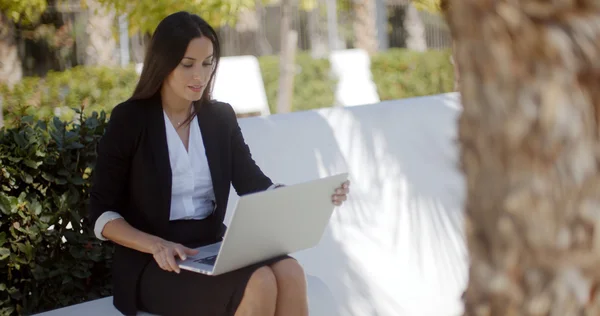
(111, 172)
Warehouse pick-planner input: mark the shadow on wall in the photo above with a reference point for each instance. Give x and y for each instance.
(289, 157)
(413, 158)
(396, 247)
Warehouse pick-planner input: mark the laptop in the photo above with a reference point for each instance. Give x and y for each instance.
(269, 224)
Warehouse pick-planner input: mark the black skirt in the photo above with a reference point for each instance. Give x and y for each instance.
(189, 293)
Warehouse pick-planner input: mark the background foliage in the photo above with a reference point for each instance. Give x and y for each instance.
(397, 73)
(48, 254)
(23, 11)
(144, 15)
(90, 88)
(400, 73)
(314, 87)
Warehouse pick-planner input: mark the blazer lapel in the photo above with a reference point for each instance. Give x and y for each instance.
(209, 130)
(160, 151)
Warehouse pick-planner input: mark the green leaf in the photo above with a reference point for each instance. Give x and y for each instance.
(26, 177)
(2, 238)
(77, 180)
(4, 253)
(48, 177)
(7, 310)
(63, 172)
(27, 249)
(5, 204)
(36, 207)
(32, 164)
(20, 140)
(15, 159)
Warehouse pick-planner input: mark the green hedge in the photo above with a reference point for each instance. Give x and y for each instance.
(400, 73)
(314, 87)
(93, 88)
(49, 256)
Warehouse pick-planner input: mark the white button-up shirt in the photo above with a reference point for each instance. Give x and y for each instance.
(192, 192)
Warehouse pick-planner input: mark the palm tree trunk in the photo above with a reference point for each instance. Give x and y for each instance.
(11, 70)
(289, 42)
(415, 29)
(101, 48)
(365, 25)
(262, 44)
(530, 140)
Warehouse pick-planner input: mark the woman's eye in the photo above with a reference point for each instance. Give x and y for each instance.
(187, 66)
(207, 64)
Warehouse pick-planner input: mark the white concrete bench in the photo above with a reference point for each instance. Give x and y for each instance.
(321, 303)
(397, 246)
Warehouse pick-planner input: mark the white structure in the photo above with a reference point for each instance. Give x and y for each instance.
(238, 81)
(352, 67)
(396, 247)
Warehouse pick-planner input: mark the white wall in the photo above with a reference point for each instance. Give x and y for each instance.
(397, 246)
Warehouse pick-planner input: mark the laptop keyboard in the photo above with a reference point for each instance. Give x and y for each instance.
(208, 260)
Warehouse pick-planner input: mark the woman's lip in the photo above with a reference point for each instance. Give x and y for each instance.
(196, 88)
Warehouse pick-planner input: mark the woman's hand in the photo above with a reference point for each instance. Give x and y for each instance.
(341, 193)
(164, 253)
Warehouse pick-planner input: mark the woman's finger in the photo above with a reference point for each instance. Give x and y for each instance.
(190, 251)
(171, 262)
(161, 262)
(180, 253)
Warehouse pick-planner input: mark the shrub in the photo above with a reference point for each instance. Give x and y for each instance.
(401, 73)
(93, 88)
(314, 87)
(49, 257)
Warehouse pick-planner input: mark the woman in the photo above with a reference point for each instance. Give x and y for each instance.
(161, 184)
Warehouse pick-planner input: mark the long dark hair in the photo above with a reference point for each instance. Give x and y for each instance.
(166, 50)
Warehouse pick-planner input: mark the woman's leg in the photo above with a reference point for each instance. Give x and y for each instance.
(292, 298)
(260, 295)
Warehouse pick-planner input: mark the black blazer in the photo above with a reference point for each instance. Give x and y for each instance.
(132, 176)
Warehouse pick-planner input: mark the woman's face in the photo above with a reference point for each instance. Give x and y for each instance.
(189, 79)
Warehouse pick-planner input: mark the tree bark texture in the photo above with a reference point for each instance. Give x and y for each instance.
(11, 70)
(365, 25)
(529, 136)
(101, 48)
(415, 29)
(289, 42)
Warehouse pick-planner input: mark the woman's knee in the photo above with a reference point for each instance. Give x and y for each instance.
(263, 280)
(289, 272)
